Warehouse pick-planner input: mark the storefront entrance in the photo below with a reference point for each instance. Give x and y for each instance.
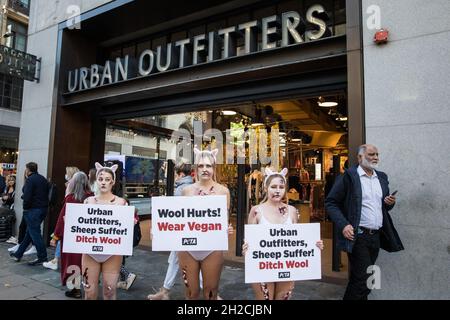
(124, 92)
(312, 142)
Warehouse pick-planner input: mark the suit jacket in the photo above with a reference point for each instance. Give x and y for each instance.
(343, 205)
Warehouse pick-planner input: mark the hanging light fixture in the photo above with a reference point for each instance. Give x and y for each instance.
(342, 118)
(229, 113)
(326, 104)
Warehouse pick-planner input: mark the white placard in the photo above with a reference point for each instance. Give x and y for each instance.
(189, 223)
(279, 253)
(99, 229)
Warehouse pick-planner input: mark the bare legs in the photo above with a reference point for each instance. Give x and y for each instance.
(273, 290)
(110, 270)
(211, 268)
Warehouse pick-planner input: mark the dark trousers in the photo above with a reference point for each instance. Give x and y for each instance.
(364, 254)
(33, 219)
(22, 230)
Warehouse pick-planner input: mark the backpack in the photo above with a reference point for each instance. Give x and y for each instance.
(52, 194)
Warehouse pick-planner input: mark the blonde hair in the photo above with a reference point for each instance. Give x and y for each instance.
(199, 155)
(70, 171)
(267, 183)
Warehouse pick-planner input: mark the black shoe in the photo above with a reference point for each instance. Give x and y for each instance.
(74, 293)
(13, 257)
(37, 262)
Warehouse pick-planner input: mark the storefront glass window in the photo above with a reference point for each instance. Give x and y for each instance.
(311, 141)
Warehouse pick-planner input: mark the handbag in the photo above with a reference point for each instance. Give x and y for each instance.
(137, 234)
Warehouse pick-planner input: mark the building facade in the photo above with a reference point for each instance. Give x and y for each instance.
(13, 30)
(103, 81)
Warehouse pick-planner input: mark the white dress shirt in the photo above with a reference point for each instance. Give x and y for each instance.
(371, 210)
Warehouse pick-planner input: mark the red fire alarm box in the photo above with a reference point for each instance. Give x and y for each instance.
(381, 36)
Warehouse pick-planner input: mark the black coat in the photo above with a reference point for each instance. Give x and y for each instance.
(2, 184)
(35, 192)
(343, 205)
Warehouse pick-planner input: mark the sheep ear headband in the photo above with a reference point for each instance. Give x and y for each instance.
(212, 153)
(99, 167)
(269, 173)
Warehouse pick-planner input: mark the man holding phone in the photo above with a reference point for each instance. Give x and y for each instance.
(359, 204)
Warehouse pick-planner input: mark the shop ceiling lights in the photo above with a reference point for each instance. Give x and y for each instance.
(342, 118)
(326, 104)
(229, 113)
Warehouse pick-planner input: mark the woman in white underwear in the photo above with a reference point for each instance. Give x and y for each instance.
(210, 263)
(93, 265)
(274, 210)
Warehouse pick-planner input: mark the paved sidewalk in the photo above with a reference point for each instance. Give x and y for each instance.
(18, 281)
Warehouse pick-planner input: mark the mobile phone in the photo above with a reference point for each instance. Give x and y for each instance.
(394, 193)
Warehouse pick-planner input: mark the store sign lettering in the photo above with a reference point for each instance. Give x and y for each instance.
(288, 28)
(18, 64)
(8, 166)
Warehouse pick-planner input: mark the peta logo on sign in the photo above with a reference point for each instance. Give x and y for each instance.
(97, 248)
(189, 241)
(284, 275)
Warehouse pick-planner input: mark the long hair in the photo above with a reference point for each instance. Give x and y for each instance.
(92, 176)
(9, 178)
(267, 184)
(79, 186)
(70, 171)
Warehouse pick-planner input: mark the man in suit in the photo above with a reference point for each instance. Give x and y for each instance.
(359, 205)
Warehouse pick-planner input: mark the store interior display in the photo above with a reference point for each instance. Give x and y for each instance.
(311, 141)
(255, 187)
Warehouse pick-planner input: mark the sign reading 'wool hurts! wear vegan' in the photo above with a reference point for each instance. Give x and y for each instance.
(282, 252)
(189, 223)
(98, 229)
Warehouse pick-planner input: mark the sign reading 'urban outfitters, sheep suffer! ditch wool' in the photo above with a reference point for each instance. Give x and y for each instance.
(98, 229)
(282, 252)
(274, 31)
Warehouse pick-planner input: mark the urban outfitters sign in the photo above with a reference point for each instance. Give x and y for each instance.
(276, 31)
(18, 64)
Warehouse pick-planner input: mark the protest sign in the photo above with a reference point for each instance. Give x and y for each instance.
(282, 252)
(98, 229)
(189, 223)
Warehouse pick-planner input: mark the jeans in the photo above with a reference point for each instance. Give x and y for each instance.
(172, 270)
(33, 219)
(22, 230)
(58, 250)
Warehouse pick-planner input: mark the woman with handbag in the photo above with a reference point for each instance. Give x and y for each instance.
(77, 191)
